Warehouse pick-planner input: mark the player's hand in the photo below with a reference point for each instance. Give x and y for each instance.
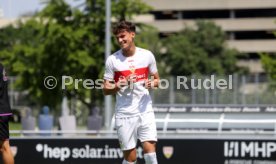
(127, 81)
(122, 82)
(132, 78)
(149, 84)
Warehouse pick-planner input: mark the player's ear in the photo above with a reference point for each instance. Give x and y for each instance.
(133, 35)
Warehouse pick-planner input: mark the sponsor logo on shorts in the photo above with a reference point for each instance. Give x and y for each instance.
(168, 151)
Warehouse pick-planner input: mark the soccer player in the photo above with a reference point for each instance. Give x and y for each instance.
(5, 113)
(126, 75)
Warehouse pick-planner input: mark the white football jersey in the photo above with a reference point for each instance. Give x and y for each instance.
(131, 101)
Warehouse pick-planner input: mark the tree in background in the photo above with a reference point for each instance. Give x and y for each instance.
(149, 39)
(269, 65)
(61, 40)
(200, 50)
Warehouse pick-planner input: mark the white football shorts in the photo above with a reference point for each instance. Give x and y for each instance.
(129, 129)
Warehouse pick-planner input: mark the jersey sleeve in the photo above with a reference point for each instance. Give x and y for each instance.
(109, 70)
(152, 64)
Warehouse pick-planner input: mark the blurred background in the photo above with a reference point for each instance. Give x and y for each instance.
(191, 38)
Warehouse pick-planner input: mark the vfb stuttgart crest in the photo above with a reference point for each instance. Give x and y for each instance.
(168, 151)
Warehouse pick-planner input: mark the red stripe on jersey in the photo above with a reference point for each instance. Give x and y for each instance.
(141, 74)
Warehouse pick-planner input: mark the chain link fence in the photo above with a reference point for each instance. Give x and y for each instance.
(251, 89)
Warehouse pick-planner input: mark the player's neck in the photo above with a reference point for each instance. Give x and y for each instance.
(130, 51)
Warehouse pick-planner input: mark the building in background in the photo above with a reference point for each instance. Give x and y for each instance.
(249, 24)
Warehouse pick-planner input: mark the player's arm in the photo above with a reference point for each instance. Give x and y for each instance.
(153, 82)
(109, 85)
(111, 88)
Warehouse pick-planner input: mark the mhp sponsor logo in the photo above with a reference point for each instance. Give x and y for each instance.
(253, 149)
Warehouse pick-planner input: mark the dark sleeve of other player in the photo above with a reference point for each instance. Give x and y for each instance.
(1, 76)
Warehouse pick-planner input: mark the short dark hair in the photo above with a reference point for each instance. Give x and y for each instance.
(123, 26)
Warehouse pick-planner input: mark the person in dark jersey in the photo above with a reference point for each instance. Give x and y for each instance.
(5, 113)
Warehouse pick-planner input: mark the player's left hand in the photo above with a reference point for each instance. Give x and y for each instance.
(149, 84)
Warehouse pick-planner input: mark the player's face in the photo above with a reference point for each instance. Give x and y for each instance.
(125, 39)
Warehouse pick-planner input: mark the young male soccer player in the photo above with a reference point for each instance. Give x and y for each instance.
(126, 75)
(5, 113)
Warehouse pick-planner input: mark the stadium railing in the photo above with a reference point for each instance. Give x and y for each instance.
(215, 118)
